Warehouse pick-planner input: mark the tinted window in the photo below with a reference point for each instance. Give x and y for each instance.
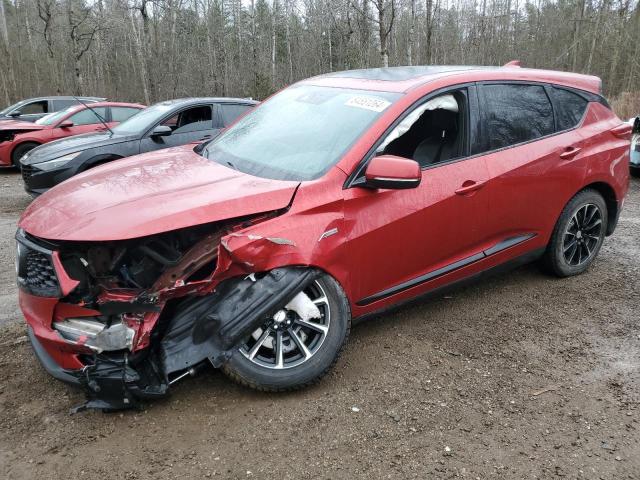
(569, 106)
(120, 114)
(515, 113)
(231, 112)
(88, 117)
(34, 108)
(191, 120)
(62, 104)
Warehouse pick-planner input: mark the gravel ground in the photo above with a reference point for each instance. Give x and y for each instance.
(522, 376)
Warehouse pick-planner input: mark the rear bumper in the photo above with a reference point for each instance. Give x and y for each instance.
(71, 377)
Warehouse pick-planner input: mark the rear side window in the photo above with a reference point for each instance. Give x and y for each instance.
(569, 107)
(88, 117)
(62, 104)
(514, 114)
(230, 112)
(120, 114)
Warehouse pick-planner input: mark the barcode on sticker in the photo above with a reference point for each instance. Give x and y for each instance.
(368, 103)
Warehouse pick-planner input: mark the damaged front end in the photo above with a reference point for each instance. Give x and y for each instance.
(126, 319)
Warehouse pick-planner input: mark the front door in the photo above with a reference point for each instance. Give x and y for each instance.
(403, 239)
(191, 125)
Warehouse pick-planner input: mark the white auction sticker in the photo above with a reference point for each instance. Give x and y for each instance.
(368, 103)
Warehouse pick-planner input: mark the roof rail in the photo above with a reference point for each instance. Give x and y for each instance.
(513, 63)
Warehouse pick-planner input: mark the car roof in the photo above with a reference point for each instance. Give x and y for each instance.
(62, 97)
(109, 104)
(404, 79)
(192, 100)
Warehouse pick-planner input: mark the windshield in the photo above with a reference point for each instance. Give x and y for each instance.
(143, 120)
(55, 117)
(299, 133)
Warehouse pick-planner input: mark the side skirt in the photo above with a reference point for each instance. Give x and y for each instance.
(524, 259)
(414, 282)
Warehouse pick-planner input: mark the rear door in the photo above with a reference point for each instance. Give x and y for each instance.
(193, 124)
(533, 158)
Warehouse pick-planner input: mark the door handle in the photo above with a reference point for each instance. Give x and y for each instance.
(570, 152)
(206, 137)
(469, 186)
(622, 131)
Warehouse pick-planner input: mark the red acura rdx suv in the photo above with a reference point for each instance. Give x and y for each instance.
(339, 196)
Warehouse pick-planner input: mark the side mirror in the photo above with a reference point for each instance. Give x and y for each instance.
(391, 172)
(65, 124)
(14, 114)
(161, 131)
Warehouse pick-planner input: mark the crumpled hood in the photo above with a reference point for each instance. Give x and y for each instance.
(148, 194)
(67, 145)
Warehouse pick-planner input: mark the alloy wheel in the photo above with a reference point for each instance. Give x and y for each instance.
(582, 235)
(291, 337)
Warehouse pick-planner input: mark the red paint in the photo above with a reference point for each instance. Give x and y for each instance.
(41, 134)
(397, 168)
(369, 240)
(150, 193)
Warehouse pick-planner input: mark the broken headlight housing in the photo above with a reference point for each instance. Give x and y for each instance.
(96, 335)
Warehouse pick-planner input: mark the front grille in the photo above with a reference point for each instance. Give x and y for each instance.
(27, 171)
(36, 273)
(40, 273)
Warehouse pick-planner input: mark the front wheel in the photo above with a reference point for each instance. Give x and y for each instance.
(578, 234)
(297, 345)
(19, 152)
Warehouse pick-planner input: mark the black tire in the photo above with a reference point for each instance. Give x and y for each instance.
(245, 372)
(635, 171)
(20, 150)
(558, 258)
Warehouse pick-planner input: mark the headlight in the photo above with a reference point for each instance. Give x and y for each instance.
(56, 162)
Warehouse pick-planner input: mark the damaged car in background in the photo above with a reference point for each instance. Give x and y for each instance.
(340, 196)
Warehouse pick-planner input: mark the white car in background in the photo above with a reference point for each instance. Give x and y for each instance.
(635, 147)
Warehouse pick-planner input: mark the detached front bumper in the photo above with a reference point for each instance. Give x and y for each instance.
(105, 342)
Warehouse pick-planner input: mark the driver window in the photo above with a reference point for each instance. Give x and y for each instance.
(191, 120)
(34, 108)
(430, 134)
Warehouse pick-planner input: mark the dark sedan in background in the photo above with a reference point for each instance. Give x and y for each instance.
(33, 109)
(165, 124)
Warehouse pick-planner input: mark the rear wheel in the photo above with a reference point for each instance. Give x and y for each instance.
(20, 150)
(578, 234)
(297, 345)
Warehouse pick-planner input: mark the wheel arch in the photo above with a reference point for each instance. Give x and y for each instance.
(610, 199)
(23, 142)
(99, 160)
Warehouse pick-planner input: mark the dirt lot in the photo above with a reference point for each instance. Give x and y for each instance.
(523, 376)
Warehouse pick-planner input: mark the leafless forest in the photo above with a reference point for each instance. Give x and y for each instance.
(149, 50)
